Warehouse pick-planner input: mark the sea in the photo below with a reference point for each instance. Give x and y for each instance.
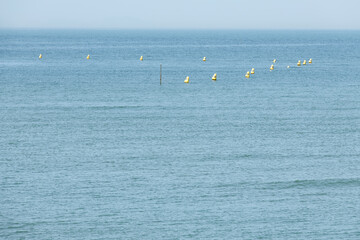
(99, 148)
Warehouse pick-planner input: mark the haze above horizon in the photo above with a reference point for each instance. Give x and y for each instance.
(186, 14)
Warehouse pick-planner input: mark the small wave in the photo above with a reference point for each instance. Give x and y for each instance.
(110, 107)
(352, 182)
(68, 107)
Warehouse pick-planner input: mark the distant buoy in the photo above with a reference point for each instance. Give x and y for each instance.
(271, 67)
(88, 57)
(40, 56)
(186, 79)
(310, 61)
(252, 71)
(288, 66)
(214, 77)
(247, 75)
(204, 59)
(299, 63)
(274, 61)
(304, 63)
(141, 58)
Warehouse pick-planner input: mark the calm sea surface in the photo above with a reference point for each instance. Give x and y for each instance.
(97, 149)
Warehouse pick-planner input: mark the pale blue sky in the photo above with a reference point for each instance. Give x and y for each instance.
(182, 14)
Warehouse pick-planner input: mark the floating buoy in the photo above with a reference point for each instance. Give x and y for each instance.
(304, 63)
(271, 67)
(247, 75)
(288, 66)
(186, 79)
(88, 57)
(214, 77)
(252, 71)
(310, 61)
(299, 63)
(204, 59)
(274, 61)
(141, 58)
(40, 56)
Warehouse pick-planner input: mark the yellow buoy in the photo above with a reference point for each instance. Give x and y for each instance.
(40, 56)
(252, 71)
(288, 66)
(204, 59)
(274, 61)
(304, 63)
(310, 61)
(299, 63)
(271, 67)
(88, 57)
(186, 79)
(214, 77)
(141, 58)
(247, 75)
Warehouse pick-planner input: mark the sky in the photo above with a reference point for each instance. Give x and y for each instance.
(180, 14)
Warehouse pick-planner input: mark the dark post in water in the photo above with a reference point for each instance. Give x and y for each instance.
(160, 73)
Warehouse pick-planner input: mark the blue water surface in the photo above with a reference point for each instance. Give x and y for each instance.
(97, 149)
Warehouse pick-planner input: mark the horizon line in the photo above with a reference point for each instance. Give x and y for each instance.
(181, 29)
